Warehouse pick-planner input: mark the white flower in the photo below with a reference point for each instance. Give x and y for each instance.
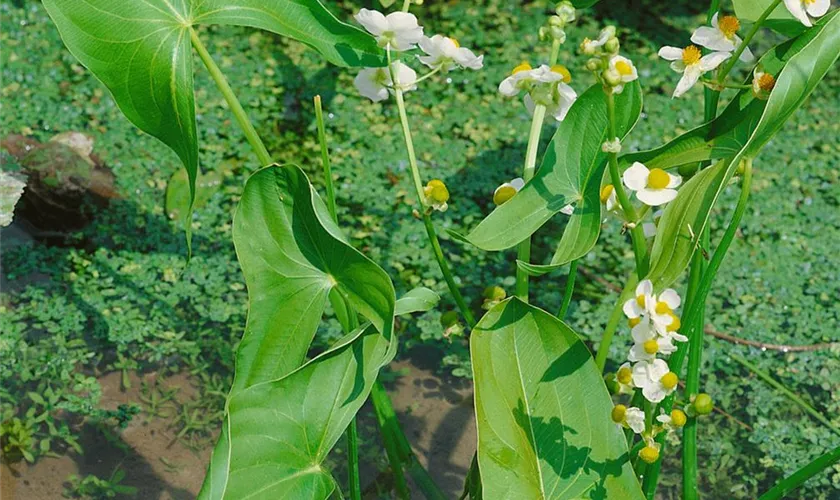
(375, 83)
(653, 187)
(689, 62)
(721, 36)
(625, 69)
(804, 10)
(763, 83)
(507, 190)
(11, 189)
(524, 77)
(589, 47)
(655, 380)
(568, 210)
(445, 52)
(638, 306)
(649, 228)
(648, 343)
(608, 197)
(635, 419)
(398, 29)
(562, 98)
(624, 378)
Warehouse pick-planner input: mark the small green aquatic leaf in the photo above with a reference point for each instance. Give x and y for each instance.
(419, 299)
(543, 411)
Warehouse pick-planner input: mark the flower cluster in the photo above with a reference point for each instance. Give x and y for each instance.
(612, 69)
(655, 328)
(400, 32)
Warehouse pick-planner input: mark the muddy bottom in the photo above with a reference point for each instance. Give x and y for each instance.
(436, 415)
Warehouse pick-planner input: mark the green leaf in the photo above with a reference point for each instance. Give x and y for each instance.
(177, 205)
(573, 162)
(141, 51)
(543, 411)
(582, 4)
(282, 419)
(780, 19)
(282, 430)
(419, 299)
(744, 127)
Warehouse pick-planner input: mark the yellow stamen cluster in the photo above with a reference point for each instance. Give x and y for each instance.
(651, 346)
(766, 82)
(623, 68)
(658, 179)
(436, 191)
(662, 308)
(675, 323)
(691, 55)
(562, 70)
(634, 321)
(606, 192)
(678, 418)
(669, 380)
(624, 375)
(640, 300)
(729, 25)
(524, 66)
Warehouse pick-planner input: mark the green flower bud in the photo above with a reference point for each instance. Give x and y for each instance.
(611, 77)
(494, 293)
(703, 404)
(612, 45)
(566, 11)
(556, 21)
(558, 34)
(594, 64)
(612, 384)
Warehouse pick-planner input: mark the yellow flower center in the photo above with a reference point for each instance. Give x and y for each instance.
(658, 179)
(669, 380)
(624, 375)
(675, 323)
(691, 55)
(436, 191)
(618, 413)
(606, 192)
(808, 2)
(662, 308)
(503, 194)
(522, 67)
(729, 25)
(634, 321)
(624, 68)
(640, 300)
(678, 418)
(766, 82)
(651, 346)
(455, 41)
(559, 68)
(649, 454)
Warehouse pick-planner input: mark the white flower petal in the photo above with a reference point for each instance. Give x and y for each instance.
(674, 180)
(645, 287)
(670, 53)
(818, 8)
(517, 183)
(373, 21)
(508, 86)
(567, 210)
(636, 177)
(631, 309)
(671, 297)
(712, 38)
(713, 60)
(689, 78)
(369, 84)
(635, 419)
(796, 8)
(656, 197)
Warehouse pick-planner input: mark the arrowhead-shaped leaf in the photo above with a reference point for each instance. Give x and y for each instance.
(744, 127)
(141, 51)
(282, 419)
(573, 159)
(543, 412)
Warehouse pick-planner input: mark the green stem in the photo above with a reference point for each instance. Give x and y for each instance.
(353, 461)
(733, 60)
(570, 289)
(428, 75)
(386, 418)
(795, 398)
(325, 158)
(609, 333)
(524, 251)
(406, 5)
(637, 232)
(799, 477)
(421, 198)
(236, 108)
(695, 309)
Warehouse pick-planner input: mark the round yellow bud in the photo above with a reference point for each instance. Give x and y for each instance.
(703, 404)
(624, 375)
(649, 454)
(658, 179)
(678, 418)
(606, 192)
(618, 413)
(651, 346)
(669, 380)
(436, 191)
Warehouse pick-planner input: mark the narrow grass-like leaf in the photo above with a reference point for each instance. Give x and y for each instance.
(543, 412)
